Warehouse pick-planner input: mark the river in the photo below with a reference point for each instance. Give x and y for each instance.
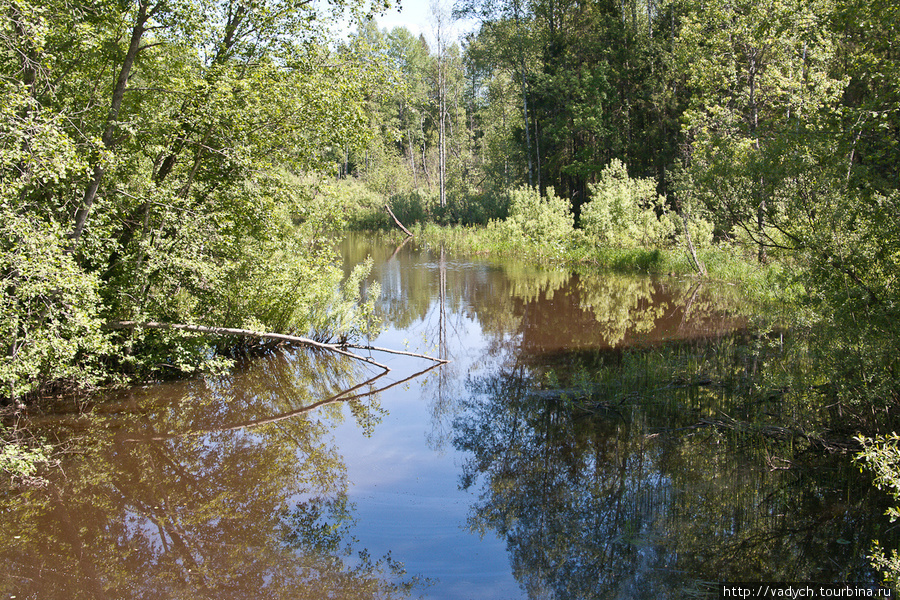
(593, 436)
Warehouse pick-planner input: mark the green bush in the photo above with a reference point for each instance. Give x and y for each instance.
(416, 206)
(467, 207)
(49, 310)
(362, 208)
(701, 233)
(626, 212)
(538, 221)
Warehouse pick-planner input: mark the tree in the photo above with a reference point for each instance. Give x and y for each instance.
(439, 16)
(157, 147)
(763, 83)
(507, 24)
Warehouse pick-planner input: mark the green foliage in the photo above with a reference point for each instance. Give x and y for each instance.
(881, 455)
(362, 207)
(764, 88)
(154, 162)
(626, 212)
(471, 208)
(464, 207)
(415, 207)
(701, 232)
(347, 311)
(49, 309)
(539, 221)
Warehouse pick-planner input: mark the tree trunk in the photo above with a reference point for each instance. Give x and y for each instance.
(280, 337)
(442, 134)
(527, 128)
(397, 221)
(424, 157)
(134, 47)
(754, 126)
(537, 153)
(412, 157)
(698, 264)
(292, 339)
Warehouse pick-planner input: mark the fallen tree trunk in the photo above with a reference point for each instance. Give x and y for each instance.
(277, 337)
(397, 221)
(291, 339)
(400, 352)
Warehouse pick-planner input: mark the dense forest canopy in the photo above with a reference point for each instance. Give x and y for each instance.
(152, 156)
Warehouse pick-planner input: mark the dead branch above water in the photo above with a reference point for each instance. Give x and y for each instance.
(397, 221)
(278, 337)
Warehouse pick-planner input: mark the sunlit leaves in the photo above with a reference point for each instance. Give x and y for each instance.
(539, 221)
(48, 315)
(764, 83)
(626, 212)
(183, 166)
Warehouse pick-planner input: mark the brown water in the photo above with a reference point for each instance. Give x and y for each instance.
(588, 440)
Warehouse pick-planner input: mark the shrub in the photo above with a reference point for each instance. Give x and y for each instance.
(49, 310)
(414, 207)
(362, 208)
(626, 212)
(539, 221)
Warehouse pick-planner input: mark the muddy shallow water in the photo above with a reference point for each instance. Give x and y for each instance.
(588, 439)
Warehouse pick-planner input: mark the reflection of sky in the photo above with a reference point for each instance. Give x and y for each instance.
(406, 494)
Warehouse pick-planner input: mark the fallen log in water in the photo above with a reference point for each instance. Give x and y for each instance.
(279, 337)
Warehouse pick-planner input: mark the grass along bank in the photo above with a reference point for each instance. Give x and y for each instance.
(624, 228)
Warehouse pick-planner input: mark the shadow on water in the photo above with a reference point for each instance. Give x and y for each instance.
(626, 489)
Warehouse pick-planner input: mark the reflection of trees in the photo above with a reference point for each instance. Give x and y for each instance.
(623, 493)
(444, 383)
(621, 304)
(163, 498)
(569, 494)
(525, 310)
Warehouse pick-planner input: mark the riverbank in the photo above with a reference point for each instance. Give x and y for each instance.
(542, 230)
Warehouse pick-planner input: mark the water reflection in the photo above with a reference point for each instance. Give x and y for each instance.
(167, 493)
(533, 310)
(617, 486)
(625, 437)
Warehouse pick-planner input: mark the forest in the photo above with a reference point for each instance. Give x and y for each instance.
(191, 162)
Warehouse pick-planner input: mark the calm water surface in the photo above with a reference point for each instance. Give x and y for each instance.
(593, 437)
